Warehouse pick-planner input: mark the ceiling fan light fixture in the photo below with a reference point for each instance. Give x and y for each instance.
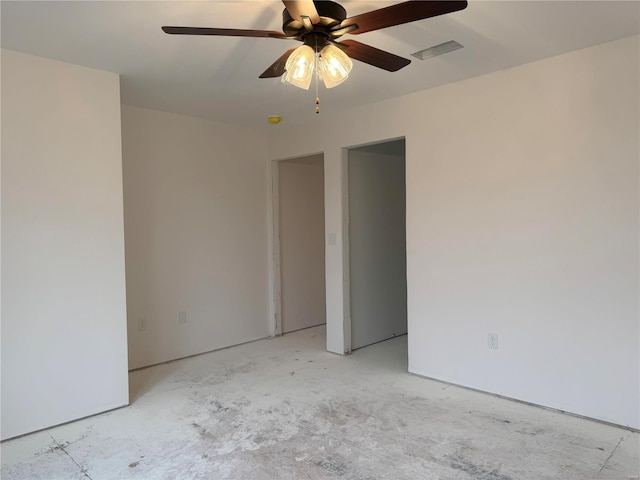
(299, 67)
(334, 66)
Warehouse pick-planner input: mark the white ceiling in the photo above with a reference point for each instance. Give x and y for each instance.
(217, 77)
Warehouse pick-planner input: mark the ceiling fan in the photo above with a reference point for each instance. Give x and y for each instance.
(318, 25)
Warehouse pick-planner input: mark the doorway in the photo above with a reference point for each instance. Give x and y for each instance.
(377, 242)
(301, 242)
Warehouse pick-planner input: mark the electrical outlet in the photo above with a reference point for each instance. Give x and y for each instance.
(493, 341)
(142, 324)
(182, 317)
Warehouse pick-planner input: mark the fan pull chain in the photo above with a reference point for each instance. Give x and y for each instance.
(316, 72)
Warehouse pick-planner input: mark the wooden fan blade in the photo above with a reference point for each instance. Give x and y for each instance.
(302, 8)
(224, 32)
(402, 13)
(373, 56)
(277, 68)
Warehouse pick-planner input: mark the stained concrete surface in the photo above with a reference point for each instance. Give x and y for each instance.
(284, 408)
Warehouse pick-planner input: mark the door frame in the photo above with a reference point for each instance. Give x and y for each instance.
(346, 252)
(276, 280)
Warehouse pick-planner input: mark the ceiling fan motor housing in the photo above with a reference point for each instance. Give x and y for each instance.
(331, 15)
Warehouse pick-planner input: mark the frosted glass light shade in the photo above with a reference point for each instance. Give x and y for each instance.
(299, 67)
(333, 66)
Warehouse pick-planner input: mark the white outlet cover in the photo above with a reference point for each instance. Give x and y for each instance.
(493, 341)
(182, 317)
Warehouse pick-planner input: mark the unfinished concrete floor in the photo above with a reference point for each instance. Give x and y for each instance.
(285, 409)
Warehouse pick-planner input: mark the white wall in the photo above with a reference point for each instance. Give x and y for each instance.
(195, 196)
(377, 243)
(301, 221)
(522, 219)
(64, 347)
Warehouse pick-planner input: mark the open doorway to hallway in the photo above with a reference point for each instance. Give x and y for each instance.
(377, 242)
(301, 242)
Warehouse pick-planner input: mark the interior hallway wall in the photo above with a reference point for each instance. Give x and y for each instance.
(195, 197)
(301, 186)
(522, 219)
(64, 344)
